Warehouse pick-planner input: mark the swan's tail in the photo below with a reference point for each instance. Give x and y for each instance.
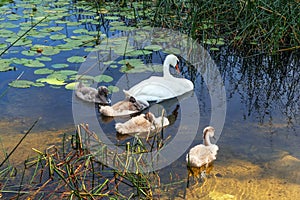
(127, 94)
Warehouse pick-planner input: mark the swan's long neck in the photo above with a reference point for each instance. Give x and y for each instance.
(166, 69)
(206, 139)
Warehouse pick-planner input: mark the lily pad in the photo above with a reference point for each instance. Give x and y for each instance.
(153, 47)
(44, 58)
(59, 65)
(58, 37)
(76, 59)
(43, 71)
(138, 53)
(5, 65)
(71, 86)
(3, 46)
(133, 66)
(113, 88)
(80, 31)
(34, 63)
(28, 53)
(67, 72)
(51, 81)
(38, 84)
(21, 83)
(103, 78)
(52, 29)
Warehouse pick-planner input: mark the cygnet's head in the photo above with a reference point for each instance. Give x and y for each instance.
(173, 61)
(139, 104)
(150, 117)
(103, 94)
(209, 130)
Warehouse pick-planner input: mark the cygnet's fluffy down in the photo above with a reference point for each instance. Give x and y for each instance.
(126, 107)
(203, 154)
(89, 94)
(143, 123)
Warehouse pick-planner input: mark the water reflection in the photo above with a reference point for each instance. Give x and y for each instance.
(265, 84)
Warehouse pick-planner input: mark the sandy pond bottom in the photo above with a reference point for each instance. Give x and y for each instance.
(240, 172)
(12, 131)
(244, 180)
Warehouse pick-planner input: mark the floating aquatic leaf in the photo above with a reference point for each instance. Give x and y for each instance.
(132, 62)
(76, 59)
(52, 29)
(51, 81)
(33, 63)
(22, 42)
(67, 72)
(5, 65)
(111, 17)
(172, 50)
(108, 62)
(138, 52)
(71, 86)
(113, 88)
(43, 71)
(14, 17)
(58, 37)
(57, 76)
(46, 50)
(73, 23)
(8, 25)
(80, 31)
(153, 47)
(132, 66)
(44, 58)
(38, 84)
(122, 28)
(59, 65)
(116, 23)
(103, 78)
(20, 83)
(51, 51)
(28, 53)
(60, 21)
(113, 66)
(6, 33)
(3, 46)
(39, 34)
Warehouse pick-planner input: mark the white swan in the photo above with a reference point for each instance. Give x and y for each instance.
(99, 95)
(126, 107)
(158, 88)
(201, 154)
(142, 124)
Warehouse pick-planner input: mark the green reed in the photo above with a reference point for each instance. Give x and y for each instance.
(267, 26)
(72, 171)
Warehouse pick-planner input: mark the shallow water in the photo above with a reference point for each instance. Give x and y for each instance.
(259, 144)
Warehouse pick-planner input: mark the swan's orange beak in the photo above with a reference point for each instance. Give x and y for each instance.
(177, 68)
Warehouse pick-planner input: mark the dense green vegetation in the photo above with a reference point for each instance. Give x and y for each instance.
(267, 26)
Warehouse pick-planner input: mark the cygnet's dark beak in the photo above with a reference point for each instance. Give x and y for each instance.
(105, 99)
(214, 137)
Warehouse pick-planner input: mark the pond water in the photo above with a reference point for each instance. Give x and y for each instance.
(259, 143)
